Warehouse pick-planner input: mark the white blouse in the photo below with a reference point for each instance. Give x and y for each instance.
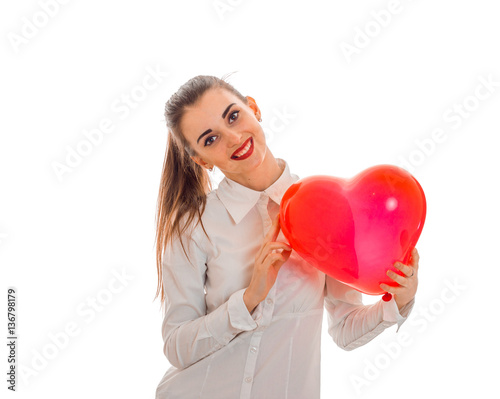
(219, 350)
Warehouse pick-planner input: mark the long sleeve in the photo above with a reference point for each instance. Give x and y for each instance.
(352, 324)
(189, 333)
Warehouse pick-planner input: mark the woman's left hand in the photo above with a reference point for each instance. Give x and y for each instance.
(408, 283)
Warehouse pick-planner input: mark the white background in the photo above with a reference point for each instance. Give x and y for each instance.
(63, 240)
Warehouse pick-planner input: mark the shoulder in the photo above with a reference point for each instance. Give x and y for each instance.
(214, 207)
(213, 204)
(210, 214)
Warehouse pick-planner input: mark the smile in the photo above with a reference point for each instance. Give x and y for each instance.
(244, 151)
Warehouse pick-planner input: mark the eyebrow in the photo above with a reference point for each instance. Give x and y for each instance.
(223, 116)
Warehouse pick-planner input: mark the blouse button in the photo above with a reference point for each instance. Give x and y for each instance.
(248, 379)
(253, 349)
(269, 301)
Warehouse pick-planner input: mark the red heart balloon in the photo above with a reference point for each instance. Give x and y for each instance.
(355, 229)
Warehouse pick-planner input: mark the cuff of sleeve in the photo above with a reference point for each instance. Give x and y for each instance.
(229, 319)
(392, 314)
(238, 312)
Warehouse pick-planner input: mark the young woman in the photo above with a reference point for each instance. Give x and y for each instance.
(243, 311)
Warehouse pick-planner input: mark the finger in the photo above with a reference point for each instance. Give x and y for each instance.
(397, 278)
(415, 257)
(276, 227)
(271, 246)
(286, 254)
(407, 270)
(276, 245)
(390, 288)
(271, 235)
(275, 259)
(278, 264)
(273, 232)
(284, 257)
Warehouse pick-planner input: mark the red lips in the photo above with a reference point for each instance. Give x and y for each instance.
(247, 154)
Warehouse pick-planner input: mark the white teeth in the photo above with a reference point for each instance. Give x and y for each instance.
(244, 150)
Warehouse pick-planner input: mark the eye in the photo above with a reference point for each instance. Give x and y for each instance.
(209, 140)
(231, 115)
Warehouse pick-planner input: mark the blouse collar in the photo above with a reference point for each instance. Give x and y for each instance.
(238, 199)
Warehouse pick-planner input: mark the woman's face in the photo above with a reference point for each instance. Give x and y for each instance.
(225, 133)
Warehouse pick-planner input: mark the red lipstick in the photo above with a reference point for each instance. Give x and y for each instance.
(247, 154)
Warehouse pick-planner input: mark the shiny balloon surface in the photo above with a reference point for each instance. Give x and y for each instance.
(355, 229)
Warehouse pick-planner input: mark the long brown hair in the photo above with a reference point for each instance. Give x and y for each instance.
(184, 184)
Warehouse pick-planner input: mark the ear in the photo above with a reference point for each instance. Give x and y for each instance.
(201, 162)
(252, 104)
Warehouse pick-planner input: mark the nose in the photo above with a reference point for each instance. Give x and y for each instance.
(233, 138)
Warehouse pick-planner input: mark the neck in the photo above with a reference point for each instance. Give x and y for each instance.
(262, 176)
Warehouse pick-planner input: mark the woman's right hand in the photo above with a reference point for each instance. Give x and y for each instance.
(266, 267)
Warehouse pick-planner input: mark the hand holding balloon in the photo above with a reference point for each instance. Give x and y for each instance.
(406, 289)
